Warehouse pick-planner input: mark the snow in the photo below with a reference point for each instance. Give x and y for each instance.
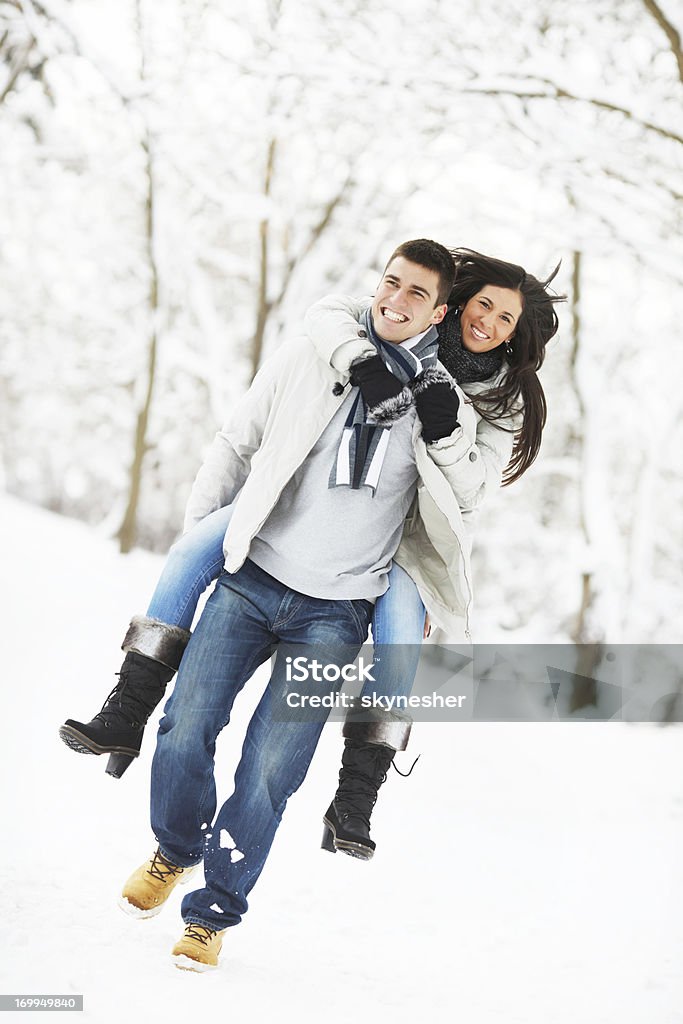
(228, 843)
(524, 873)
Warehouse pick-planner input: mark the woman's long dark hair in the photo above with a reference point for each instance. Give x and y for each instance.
(538, 323)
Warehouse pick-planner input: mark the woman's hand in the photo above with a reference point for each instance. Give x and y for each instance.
(437, 404)
(427, 627)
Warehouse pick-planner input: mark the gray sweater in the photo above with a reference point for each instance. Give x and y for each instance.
(335, 542)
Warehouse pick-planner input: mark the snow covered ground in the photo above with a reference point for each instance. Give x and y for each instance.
(524, 873)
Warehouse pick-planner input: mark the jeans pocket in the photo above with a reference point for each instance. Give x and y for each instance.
(361, 611)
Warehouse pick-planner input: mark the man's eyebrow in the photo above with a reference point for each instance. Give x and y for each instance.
(413, 287)
(506, 312)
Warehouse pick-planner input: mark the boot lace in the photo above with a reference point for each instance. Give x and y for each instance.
(200, 933)
(359, 781)
(162, 869)
(410, 770)
(129, 701)
(360, 778)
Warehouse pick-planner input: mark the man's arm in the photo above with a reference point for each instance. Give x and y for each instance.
(471, 467)
(228, 460)
(333, 328)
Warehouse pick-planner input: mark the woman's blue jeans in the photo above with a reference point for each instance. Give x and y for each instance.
(196, 560)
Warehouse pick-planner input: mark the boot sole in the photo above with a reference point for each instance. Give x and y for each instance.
(137, 912)
(186, 963)
(81, 744)
(357, 850)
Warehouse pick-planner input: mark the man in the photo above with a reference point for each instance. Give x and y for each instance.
(326, 474)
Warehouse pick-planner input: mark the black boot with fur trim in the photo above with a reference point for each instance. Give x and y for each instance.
(153, 653)
(371, 741)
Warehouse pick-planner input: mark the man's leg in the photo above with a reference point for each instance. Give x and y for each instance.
(231, 640)
(277, 751)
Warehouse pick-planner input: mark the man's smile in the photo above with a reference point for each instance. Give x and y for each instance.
(392, 314)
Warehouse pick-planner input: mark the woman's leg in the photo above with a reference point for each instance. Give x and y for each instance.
(193, 563)
(372, 736)
(397, 629)
(154, 646)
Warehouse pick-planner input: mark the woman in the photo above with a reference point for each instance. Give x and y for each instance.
(492, 343)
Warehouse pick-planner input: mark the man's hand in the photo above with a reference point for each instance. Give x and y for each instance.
(377, 384)
(437, 404)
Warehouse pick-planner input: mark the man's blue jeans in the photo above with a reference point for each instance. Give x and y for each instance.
(245, 618)
(197, 559)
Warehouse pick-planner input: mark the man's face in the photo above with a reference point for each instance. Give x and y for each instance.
(405, 303)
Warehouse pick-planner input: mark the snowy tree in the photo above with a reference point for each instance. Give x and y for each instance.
(165, 222)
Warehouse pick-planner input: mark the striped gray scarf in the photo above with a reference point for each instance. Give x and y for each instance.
(365, 438)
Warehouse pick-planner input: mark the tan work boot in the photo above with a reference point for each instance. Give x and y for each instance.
(148, 888)
(198, 949)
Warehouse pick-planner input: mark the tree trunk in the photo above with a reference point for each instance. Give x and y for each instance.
(262, 304)
(589, 647)
(127, 531)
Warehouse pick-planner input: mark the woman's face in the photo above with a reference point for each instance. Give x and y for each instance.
(490, 318)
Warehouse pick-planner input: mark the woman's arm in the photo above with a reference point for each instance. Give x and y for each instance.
(474, 465)
(333, 328)
(472, 460)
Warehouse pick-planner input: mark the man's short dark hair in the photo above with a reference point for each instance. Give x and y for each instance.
(433, 256)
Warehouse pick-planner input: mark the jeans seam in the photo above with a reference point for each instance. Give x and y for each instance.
(205, 924)
(278, 623)
(170, 857)
(198, 579)
(362, 634)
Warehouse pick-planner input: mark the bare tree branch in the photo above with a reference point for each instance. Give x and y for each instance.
(558, 93)
(51, 17)
(54, 20)
(20, 66)
(671, 33)
(316, 231)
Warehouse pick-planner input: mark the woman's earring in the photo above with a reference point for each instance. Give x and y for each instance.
(508, 347)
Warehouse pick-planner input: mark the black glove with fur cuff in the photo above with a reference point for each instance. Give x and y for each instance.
(385, 396)
(437, 404)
